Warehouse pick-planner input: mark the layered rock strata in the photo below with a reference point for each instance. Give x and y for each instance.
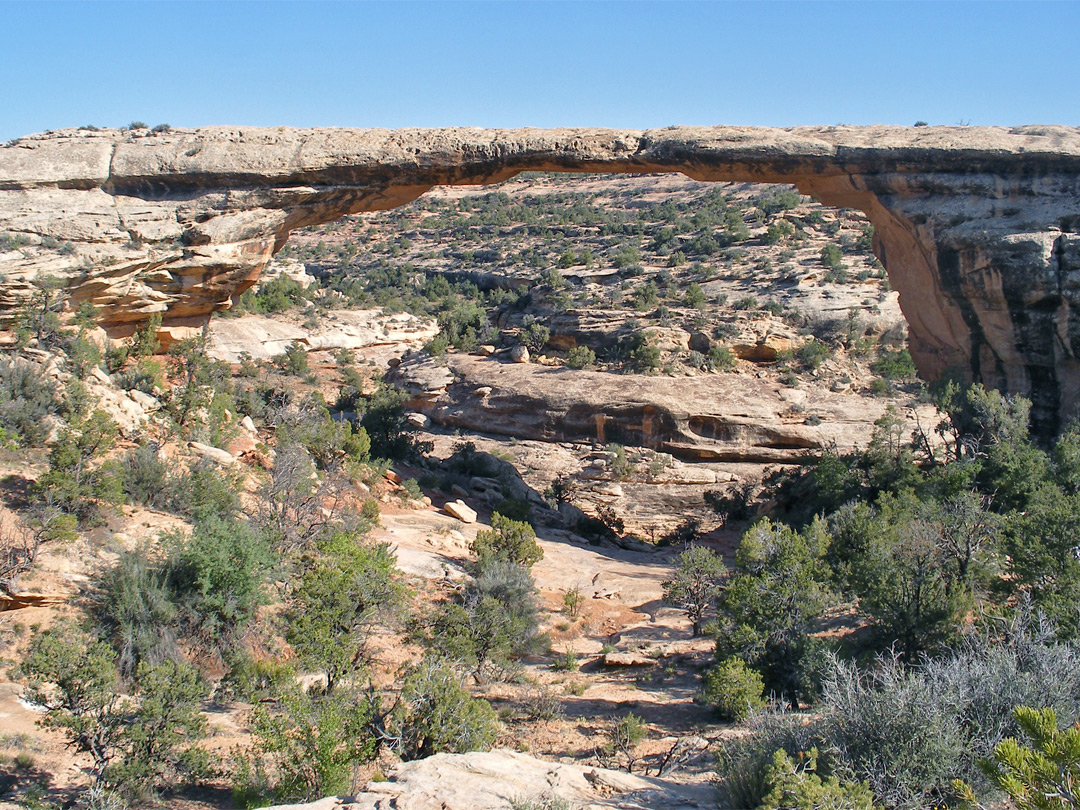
(977, 227)
(730, 418)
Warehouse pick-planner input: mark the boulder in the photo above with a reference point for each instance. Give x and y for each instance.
(766, 350)
(627, 659)
(215, 454)
(460, 510)
(700, 342)
(148, 403)
(519, 354)
(417, 420)
(243, 444)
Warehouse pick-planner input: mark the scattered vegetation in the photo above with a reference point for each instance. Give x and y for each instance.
(905, 598)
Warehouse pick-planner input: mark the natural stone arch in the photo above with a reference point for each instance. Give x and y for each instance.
(976, 226)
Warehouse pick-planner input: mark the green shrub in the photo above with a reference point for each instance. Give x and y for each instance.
(779, 231)
(256, 679)
(434, 714)
(337, 603)
(329, 441)
(1041, 775)
(896, 365)
(774, 565)
(534, 336)
(573, 602)
(749, 303)
(294, 360)
(85, 705)
(621, 467)
(78, 481)
(411, 489)
(721, 358)
(438, 345)
(75, 679)
(492, 622)
(813, 353)
(832, 257)
(509, 541)
(794, 784)
(580, 357)
(566, 661)
(623, 738)
(162, 738)
(38, 317)
(145, 376)
(205, 491)
(390, 434)
(734, 689)
(217, 575)
(83, 354)
(144, 343)
(279, 294)
(306, 745)
(694, 295)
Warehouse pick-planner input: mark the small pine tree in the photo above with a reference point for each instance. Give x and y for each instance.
(695, 587)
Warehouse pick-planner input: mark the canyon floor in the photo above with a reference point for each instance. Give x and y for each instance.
(645, 444)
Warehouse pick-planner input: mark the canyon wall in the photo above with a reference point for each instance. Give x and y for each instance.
(976, 226)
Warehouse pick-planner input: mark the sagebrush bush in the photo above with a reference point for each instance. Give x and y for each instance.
(27, 397)
(136, 610)
(910, 731)
(492, 623)
(889, 726)
(145, 477)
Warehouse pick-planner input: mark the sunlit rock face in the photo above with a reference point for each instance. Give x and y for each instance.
(977, 227)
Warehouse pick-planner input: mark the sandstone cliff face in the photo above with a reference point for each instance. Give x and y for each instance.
(977, 227)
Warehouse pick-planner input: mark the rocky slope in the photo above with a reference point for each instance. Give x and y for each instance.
(976, 226)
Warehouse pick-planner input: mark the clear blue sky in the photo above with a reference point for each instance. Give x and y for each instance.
(509, 64)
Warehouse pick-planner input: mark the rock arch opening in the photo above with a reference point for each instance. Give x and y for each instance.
(968, 221)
